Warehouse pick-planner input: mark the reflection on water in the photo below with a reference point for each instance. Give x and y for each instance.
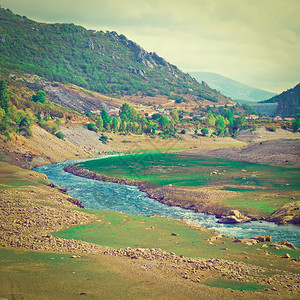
(111, 196)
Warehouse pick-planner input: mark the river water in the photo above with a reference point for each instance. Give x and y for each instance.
(121, 198)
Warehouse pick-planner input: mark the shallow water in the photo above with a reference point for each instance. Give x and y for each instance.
(112, 196)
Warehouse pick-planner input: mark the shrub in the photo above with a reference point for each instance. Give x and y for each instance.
(204, 131)
(60, 135)
(271, 128)
(92, 127)
(103, 139)
(183, 131)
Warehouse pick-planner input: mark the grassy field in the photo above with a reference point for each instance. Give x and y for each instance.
(119, 230)
(258, 185)
(36, 275)
(13, 177)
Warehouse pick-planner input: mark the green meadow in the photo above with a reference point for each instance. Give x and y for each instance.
(194, 171)
(258, 185)
(119, 230)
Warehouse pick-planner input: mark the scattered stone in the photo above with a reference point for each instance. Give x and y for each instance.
(175, 234)
(263, 238)
(286, 255)
(234, 217)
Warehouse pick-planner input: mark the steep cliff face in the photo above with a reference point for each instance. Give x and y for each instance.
(289, 102)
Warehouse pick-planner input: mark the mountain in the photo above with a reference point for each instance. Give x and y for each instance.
(288, 102)
(104, 62)
(231, 88)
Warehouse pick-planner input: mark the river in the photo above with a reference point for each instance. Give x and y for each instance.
(121, 198)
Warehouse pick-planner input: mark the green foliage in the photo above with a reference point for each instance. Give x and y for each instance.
(156, 116)
(296, 124)
(100, 61)
(92, 127)
(210, 119)
(60, 135)
(163, 122)
(126, 112)
(4, 98)
(103, 139)
(204, 131)
(271, 128)
(106, 118)
(39, 96)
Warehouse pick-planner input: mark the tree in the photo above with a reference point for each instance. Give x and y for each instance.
(210, 119)
(39, 96)
(126, 112)
(174, 115)
(204, 131)
(4, 98)
(296, 124)
(106, 118)
(163, 122)
(99, 122)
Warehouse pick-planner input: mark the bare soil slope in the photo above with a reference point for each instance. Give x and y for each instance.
(42, 148)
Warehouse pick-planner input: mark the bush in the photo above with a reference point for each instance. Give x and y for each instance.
(103, 139)
(92, 127)
(183, 131)
(271, 128)
(60, 135)
(204, 131)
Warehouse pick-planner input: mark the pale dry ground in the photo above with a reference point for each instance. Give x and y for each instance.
(262, 134)
(39, 149)
(89, 141)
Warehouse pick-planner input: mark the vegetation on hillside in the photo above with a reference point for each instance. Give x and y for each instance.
(21, 107)
(101, 61)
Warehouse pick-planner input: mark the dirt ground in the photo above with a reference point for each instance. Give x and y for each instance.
(283, 152)
(89, 141)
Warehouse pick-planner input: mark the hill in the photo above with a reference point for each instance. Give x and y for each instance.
(231, 88)
(288, 102)
(104, 62)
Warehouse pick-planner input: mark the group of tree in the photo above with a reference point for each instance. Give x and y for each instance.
(18, 114)
(130, 121)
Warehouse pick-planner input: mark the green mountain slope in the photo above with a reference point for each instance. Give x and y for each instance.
(231, 88)
(101, 61)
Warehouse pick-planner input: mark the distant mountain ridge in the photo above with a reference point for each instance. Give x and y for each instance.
(231, 88)
(104, 62)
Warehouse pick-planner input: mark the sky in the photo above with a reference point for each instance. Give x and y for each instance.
(256, 42)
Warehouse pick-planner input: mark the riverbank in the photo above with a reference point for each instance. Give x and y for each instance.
(31, 211)
(217, 198)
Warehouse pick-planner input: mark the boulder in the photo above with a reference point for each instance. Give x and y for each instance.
(234, 217)
(263, 238)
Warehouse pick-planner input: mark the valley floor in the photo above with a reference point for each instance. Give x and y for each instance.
(37, 264)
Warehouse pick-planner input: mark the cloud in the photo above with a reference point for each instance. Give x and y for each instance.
(254, 41)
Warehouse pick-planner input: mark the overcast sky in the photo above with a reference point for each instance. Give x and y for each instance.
(256, 42)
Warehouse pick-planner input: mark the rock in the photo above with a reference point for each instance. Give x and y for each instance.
(234, 217)
(288, 213)
(263, 238)
(175, 234)
(283, 245)
(286, 255)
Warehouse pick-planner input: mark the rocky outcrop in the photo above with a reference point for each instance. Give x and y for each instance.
(288, 213)
(234, 217)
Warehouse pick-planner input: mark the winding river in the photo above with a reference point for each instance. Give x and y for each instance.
(121, 198)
